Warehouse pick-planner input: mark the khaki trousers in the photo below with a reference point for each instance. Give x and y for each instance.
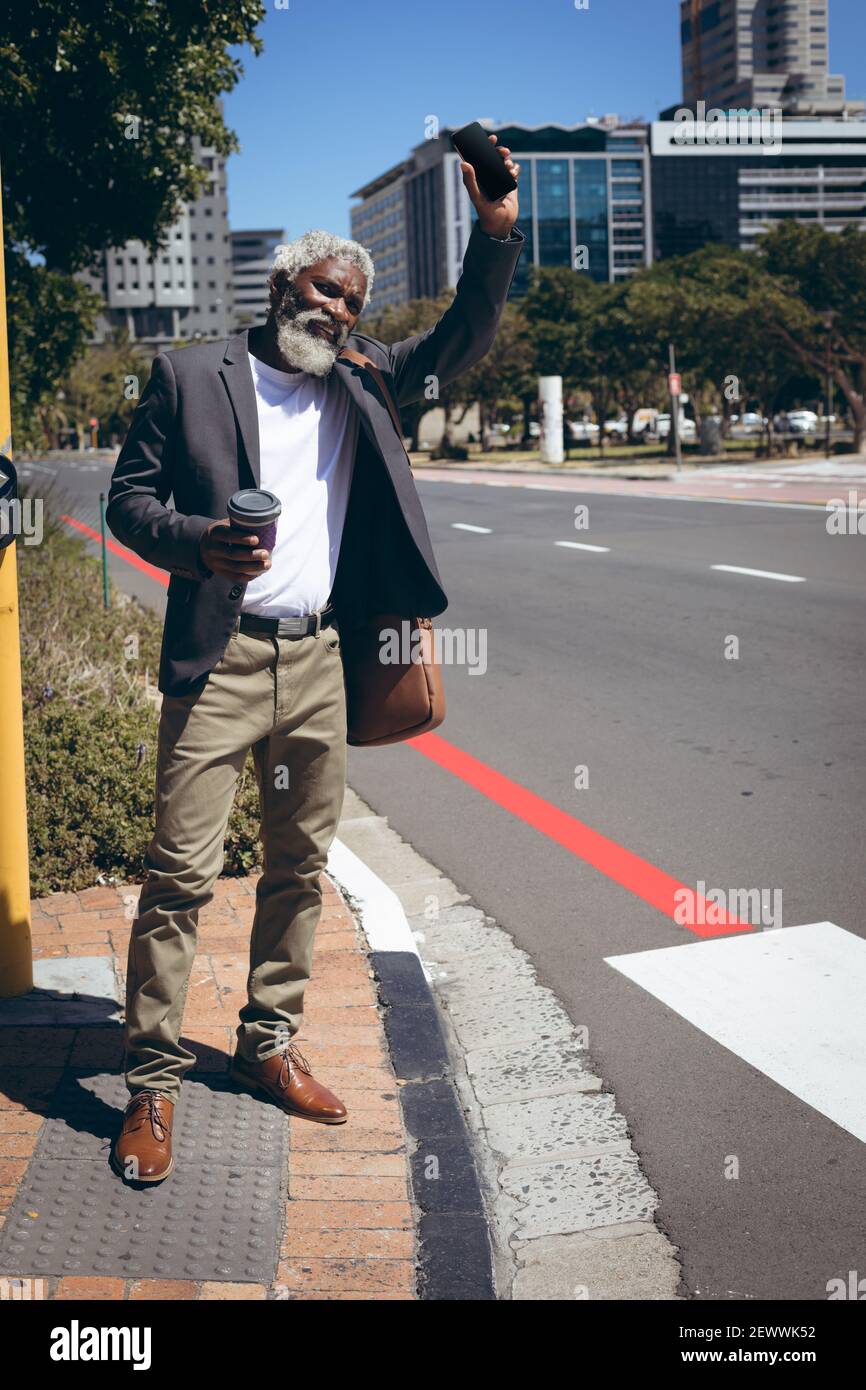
(283, 698)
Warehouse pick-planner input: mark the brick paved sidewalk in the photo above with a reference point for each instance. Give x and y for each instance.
(347, 1230)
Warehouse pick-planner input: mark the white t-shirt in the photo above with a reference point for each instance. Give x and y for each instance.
(308, 432)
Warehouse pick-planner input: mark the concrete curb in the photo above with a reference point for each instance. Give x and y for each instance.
(569, 1212)
(455, 1258)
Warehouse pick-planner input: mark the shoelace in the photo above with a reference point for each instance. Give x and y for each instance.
(143, 1107)
(291, 1054)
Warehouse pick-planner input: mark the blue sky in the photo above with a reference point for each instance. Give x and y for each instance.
(343, 87)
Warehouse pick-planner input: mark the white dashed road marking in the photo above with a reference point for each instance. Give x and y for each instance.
(577, 545)
(761, 574)
(464, 526)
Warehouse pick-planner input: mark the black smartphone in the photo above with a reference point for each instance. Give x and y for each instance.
(473, 144)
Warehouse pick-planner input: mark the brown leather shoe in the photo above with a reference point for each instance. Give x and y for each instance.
(287, 1079)
(143, 1149)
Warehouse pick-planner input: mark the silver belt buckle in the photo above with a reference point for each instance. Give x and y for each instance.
(290, 627)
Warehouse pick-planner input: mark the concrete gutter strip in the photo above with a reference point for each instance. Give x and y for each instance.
(537, 1193)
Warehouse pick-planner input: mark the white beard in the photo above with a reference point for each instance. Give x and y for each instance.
(304, 349)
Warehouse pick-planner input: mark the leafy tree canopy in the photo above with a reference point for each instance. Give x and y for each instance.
(98, 107)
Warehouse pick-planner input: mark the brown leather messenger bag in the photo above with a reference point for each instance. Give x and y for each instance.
(392, 675)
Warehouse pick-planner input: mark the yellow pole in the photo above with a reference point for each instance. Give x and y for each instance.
(16, 960)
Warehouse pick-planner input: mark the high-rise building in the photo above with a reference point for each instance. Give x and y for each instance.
(183, 293)
(703, 192)
(252, 259)
(767, 54)
(584, 203)
(379, 222)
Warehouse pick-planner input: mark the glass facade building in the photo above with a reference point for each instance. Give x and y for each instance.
(732, 193)
(607, 200)
(584, 201)
(379, 223)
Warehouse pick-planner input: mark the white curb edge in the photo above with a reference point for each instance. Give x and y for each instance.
(384, 920)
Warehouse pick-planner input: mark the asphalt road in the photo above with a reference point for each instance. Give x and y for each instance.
(742, 773)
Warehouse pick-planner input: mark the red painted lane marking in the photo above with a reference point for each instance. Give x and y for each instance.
(128, 555)
(637, 875)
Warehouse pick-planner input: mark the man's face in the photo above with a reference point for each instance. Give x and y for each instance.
(315, 314)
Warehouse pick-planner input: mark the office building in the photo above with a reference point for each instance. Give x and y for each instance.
(184, 292)
(252, 259)
(739, 54)
(380, 223)
(584, 203)
(732, 192)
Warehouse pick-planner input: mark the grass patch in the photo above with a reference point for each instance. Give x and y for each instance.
(90, 726)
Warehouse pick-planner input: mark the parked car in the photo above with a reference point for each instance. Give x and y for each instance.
(688, 429)
(750, 423)
(618, 428)
(583, 429)
(802, 421)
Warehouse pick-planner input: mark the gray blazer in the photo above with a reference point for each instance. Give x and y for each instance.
(195, 436)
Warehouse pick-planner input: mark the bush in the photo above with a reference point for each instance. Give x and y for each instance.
(90, 724)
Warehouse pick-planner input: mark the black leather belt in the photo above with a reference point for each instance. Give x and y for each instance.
(305, 625)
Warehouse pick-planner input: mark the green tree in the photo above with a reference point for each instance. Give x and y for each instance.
(823, 278)
(50, 316)
(630, 351)
(559, 307)
(97, 112)
(727, 317)
(399, 321)
(506, 374)
(106, 382)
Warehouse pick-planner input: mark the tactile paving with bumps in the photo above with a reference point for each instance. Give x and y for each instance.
(218, 1216)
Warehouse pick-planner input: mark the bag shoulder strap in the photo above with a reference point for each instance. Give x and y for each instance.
(362, 360)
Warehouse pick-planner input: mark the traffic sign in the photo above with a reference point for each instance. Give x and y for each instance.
(675, 384)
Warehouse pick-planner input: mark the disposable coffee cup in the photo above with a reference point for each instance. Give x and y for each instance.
(255, 510)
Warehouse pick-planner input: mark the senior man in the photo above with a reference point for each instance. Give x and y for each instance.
(251, 654)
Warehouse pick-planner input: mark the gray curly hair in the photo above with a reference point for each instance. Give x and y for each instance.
(317, 245)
